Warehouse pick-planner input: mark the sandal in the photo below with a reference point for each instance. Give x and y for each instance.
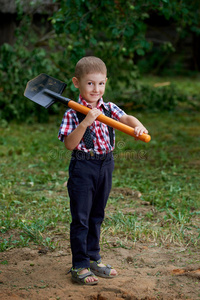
(101, 271)
(81, 278)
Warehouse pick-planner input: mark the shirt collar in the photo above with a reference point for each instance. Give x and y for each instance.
(85, 103)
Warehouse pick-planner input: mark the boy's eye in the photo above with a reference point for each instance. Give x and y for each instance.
(100, 83)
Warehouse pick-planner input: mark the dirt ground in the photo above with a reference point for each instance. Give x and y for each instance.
(145, 272)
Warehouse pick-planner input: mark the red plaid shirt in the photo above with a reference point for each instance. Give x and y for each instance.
(98, 130)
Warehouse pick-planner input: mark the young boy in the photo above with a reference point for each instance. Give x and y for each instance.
(91, 167)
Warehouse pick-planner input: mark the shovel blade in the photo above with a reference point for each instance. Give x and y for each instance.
(35, 89)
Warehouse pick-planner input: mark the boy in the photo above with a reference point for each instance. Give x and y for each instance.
(91, 167)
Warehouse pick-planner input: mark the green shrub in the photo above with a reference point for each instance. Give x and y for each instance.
(159, 99)
(54, 47)
(17, 66)
(162, 98)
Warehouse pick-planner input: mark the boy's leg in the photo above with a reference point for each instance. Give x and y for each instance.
(103, 188)
(81, 187)
(96, 218)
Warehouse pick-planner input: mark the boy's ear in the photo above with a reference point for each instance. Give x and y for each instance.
(75, 82)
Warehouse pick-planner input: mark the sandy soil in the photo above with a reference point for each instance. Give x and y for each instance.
(145, 272)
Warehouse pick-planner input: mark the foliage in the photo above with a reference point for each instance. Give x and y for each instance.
(116, 31)
(18, 65)
(33, 52)
(111, 29)
(108, 29)
(158, 99)
(147, 97)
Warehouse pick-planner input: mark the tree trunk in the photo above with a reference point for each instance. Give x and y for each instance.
(7, 28)
(196, 52)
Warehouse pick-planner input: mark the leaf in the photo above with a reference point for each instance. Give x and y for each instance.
(140, 52)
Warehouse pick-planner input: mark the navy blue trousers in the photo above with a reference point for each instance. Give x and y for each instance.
(89, 185)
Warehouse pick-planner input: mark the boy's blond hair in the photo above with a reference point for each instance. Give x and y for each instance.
(89, 65)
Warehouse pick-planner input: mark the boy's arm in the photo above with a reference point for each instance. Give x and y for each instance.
(135, 123)
(74, 138)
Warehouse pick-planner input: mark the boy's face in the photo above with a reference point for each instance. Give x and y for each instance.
(91, 87)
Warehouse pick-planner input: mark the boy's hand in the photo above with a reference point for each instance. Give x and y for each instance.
(139, 130)
(91, 116)
(131, 121)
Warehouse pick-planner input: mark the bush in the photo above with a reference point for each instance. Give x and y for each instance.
(162, 98)
(159, 99)
(117, 35)
(17, 66)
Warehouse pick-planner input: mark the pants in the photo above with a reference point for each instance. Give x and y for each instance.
(89, 185)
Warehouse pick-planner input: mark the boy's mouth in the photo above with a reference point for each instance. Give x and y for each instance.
(94, 95)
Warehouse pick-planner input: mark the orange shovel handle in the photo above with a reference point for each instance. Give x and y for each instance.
(110, 122)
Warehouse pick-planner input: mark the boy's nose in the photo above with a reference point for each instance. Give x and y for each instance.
(96, 88)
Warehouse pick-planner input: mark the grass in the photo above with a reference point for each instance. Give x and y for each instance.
(190, 85)
(34, 206)
(166, 172)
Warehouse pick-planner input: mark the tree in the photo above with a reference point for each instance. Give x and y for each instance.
(116, 30)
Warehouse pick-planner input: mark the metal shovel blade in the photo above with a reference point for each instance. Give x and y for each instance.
(37, 90)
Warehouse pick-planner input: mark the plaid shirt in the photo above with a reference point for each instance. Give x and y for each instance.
(98, 130)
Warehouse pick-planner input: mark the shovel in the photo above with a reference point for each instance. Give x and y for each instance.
(46, 90)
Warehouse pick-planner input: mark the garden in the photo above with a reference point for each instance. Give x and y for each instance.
(151, 231)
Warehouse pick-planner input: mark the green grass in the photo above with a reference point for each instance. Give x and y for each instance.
(34, 206)
(190, 85)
